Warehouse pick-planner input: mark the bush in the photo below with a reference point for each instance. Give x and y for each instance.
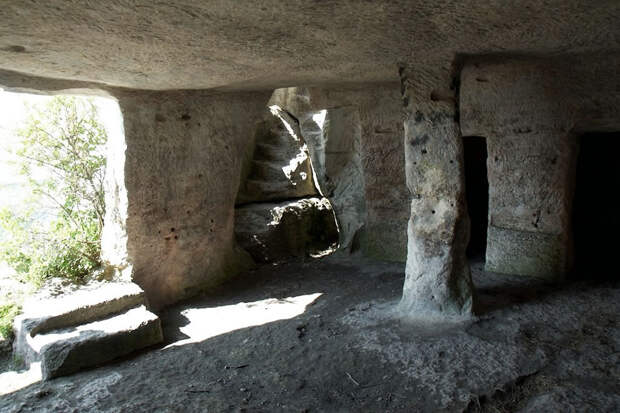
(61, 156)
(7, 314)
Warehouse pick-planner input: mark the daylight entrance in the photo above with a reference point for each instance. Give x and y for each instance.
(596, 221)
(477, 190)
(58, 155)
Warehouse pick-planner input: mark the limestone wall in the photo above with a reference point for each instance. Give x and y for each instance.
(183, 158)
(531, 112)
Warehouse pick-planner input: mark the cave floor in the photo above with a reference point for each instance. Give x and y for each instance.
(323, 336)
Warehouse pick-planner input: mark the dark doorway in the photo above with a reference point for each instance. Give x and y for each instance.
(596, 221)
(477, 190)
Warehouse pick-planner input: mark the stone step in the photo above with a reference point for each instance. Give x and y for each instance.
(81, 305)
(268, 187)
(261, 190)
(68, 350)
(93, 311)
(268, 171)
(274, 132)
(274, 152)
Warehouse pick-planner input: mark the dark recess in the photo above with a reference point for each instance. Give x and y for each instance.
(477, 191)
(596, 222)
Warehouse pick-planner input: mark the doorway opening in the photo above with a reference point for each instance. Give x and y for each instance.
(596, 223)
(477, 194)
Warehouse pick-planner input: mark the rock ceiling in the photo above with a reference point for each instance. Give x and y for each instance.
(183, 44)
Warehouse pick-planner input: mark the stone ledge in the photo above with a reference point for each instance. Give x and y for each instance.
(85, 304)
(66, 351)
(84, 327)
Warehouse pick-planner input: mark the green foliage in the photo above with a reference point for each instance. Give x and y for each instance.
(7, 314)
(57, 234)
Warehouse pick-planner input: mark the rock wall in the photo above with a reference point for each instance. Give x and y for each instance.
(385, 212)
(438, 281)
(531, 186)
(334, 141)
(183, 160)
(531, 112)
(342, 172)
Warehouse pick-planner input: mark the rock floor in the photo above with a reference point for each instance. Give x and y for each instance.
(322, 336)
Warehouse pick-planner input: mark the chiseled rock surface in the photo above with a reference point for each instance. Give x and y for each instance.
(383, 162)
(531, 187)
(536, 347)
(343, 172)
(294, 228)
(528, 253)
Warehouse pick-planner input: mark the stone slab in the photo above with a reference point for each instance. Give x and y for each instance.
(66, 351)
(88, 303)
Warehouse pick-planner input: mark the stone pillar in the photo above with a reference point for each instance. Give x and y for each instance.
(438, 282)
(183, 160)
(531, 185)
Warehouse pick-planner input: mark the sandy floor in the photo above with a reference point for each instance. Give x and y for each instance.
(323, 336)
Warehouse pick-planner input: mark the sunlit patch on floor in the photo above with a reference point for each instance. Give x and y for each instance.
(205, 323)
(325, 252)
(11, 381)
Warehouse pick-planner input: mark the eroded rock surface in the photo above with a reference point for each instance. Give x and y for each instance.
(438, 283)
(334, 143)
(277, 216)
